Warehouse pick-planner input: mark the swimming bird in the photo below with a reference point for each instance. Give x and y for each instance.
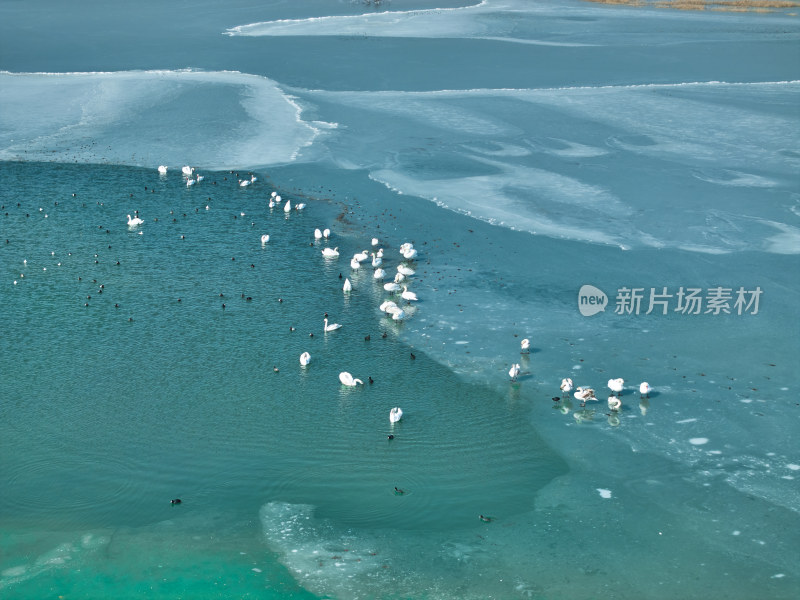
(379, 274)
(347, 286)
(645, 389)
(361, 256)
(566, 386)
(175, 501)
(398, 315)
(330, 252)
(244, 182)
(348, 380)
(399, 278)
(484, 519)
(317, 234)
(326, 233)
(134, 222)
(300, 206)
(395, 414)
(525, 346)
(404, 270)
(391, 287)
(616, 385)
(264, 239)
(614, 403)
(305, 358)
(331, 327)
(288, 206)
(583, 394)
(354, 264)
(376, 260)
(410, 254)
(187, 170)
(408, 296)
(162, 169)
(514, 371)
(199, 178)
(374, 241)
(388, 306)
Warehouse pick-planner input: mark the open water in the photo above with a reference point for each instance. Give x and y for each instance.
(526, 149)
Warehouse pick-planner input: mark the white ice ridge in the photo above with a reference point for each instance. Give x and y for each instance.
(214, 119)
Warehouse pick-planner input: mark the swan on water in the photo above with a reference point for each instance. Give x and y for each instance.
(326, 233)
(288, 206)
(616, 385)
(348, 380)
(354, 264)
(391, 287)
(525, 346)
(514, 371)
(187, 170)
(399, 278)
(376, 260)
(330, 252)
(584, 394)
(566, 385)
(162, 169)
(190, 182)
(305, 358)
(361, 256)
(404, 270)
(389, 307)
(264, 239)
(614, 403)
(199, 178)
(374, 241)
(317, 234)
(272, 203)
(331, 327)
(300, 206)
(398, 315)
(347, 285)
(134, 222)
(395, 414)
(645, 389)
(244, 182)
(408, 296)
(379, 273)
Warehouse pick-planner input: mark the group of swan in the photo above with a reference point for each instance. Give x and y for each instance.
(322, 233)
(585, 394)
(408, 251)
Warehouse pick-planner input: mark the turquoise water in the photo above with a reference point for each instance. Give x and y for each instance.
(526, 149)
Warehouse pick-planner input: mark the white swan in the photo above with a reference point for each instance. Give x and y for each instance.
(379, 273)
(134, 222)
(410, 254)
(264, 239)
(300, 206)
(614, 403)
(288, 206)
(398, 315)
(525, 346)
(408, 296)
(645, 389)
(244, 182)
(361, 256)
(190, 182)
(376, 260)
(331, 327)
(404, 270)
(347, 285)
(199, 178)
(514, 371)
(317, 234)
(305, 358)
(330, 252)
(395, 414)
(616, 385)
(354, 264)
(187, 170)
(374, 241)
(584, 394)
(326, 233)
(566, 385)
(391, 287)
(348, 379)
(389, 307)
(162, 169)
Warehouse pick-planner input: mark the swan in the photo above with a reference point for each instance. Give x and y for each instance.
(187, 170)
(399, 277)
(331, 327)
(326, 233)
(300, 206)
(379, 273)
(525, 346)
(377, 261)
(317, 234)
(305, 358)
(404, 270)
(288, 206)
(616, 385)
(566, 385)
(354, 264)
(244, 182)
(405, 247)
(395, 414)
(410, 254)
(388, 306)
(348, 380)
(135, 222)
(398, 315)
(162, 169)
(614, 403)
(645, 389)
(253, 178)
(200, 178)
(347, 285)
(408, 296)
(374, 241)
(391, 287)
(272, 203)
(513, 372)
(361, 256)
(190, 182)
(264, 239)
(330, 252)
(584, 394)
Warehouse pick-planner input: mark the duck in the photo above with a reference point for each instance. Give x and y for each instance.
(514, 371)
(614, 403)
(330, 252)
(566, 385)
(135, 221)
(408, 296)
(616, 385)
(525, 346)
(331, 327)
(645, 389)
(395, 414)
(305, 358)
(348, 380)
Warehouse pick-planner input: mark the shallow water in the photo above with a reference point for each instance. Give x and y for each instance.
(569, 144)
